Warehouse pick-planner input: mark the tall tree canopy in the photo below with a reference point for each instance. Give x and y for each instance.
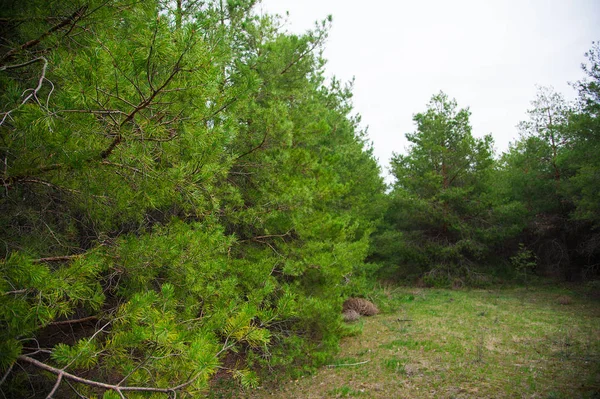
(178, 184)
(437, 210)
(553, 171)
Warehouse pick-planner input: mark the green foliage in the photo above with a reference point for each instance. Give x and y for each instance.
(552, 172)
(184, 178)
(524, 261)
(345, 391)
(180, 185)
(395, 365)
(437, 221)
(454, 208)
(32, 295)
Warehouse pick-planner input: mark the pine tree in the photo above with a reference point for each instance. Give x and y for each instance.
(438, 211)
(178, 183)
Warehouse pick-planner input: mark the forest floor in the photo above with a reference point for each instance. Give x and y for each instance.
(433, 343)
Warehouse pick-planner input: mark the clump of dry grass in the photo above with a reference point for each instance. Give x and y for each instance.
(361, 306)
(350, 315)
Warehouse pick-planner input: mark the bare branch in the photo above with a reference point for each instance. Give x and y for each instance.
(56, 384)
(35, 181)
(34, 91)
(26, 180)
(75, 390)
(16, 292)
(74, 321)
(6, 374)
(12, 181)
(119, 389)
(50, 93)
(24, 64)
(29, 19)
(36, 351)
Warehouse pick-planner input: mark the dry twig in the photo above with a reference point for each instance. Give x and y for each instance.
(347, 364)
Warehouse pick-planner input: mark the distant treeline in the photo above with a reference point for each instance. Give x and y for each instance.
(459, 215)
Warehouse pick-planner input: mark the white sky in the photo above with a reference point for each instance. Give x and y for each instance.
(488, 54)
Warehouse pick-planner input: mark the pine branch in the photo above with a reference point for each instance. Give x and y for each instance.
(73, 18)
(120, 165)
(220, 109)
(146, 102)
(255, 148)
(316, 43)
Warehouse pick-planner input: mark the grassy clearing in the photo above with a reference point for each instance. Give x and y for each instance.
(436, 343)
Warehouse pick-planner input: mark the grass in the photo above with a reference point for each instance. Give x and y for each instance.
(432, 343)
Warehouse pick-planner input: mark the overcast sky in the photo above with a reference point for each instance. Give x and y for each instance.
(488, 54)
